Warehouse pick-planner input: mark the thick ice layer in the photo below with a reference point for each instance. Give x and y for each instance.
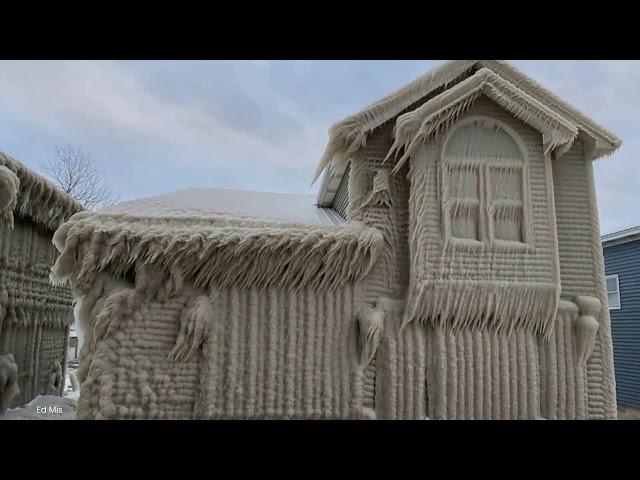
(350, 135)
(218, 251)
(32, 196)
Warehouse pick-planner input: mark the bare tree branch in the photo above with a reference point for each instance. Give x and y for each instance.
(74, 172)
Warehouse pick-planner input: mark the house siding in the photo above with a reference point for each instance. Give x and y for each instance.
(34, 315)
(624, 260)
(581, 267)
(341, 200)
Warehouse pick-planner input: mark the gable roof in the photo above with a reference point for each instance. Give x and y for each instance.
(440, 112)
(27, 194)
(350, 134)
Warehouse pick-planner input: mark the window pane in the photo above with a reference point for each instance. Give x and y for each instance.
(483, 141)
(611, 284)
(613, 299)
(508, 229)
(463, 181)
(507, 223)
(506, 184)
(464, 221)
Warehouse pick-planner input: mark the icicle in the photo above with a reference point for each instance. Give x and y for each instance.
(221, 251)
(500, 306)
(30, 195)
(194, 326)
(380, 193)
(120, 305)
(586, 327)
(9, 187)
(8, 381)
(349, 135)
(371, 323)
(438, 114)
(55, 379)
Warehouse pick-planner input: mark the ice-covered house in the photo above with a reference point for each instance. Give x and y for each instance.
(35, 316)
(452, 269)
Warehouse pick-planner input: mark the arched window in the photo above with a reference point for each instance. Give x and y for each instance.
(484, 184)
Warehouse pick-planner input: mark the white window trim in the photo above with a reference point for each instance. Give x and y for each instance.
(617, 291)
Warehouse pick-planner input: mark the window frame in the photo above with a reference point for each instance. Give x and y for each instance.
(619, 306)
(486, 226)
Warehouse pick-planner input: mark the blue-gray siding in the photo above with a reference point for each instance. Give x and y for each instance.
(624, 260)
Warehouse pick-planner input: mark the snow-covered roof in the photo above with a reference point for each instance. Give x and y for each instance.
(25, 193)
(202, 202)
(350, 134)
(216, 238)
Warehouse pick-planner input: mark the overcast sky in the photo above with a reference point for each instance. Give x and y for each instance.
(157, 127)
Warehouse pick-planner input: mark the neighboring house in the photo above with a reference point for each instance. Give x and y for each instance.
(72, 352)
(452, 269)
(34, 315)
(622, 269)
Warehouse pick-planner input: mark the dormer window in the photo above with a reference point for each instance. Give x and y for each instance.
(484, 185)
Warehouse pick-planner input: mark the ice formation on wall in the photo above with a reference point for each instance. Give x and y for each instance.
(464, 272)
(9, 185)
(410, 355)
(439, 113)
(217, 280)
(8, 381)
(218, 251)
(371, 324)
(194, 324)
(36, 198)
(350, 135)
(34, 315)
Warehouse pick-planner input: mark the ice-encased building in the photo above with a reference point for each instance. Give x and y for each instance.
(452, 269)
(35, 316)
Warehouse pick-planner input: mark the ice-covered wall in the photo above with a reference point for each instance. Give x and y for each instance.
(220, 317)
(481, 280)
(34, 315)
(380, 199)
(457, 355)
(582, 267)
(263, 354)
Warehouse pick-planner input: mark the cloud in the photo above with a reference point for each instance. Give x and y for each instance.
(91, 98)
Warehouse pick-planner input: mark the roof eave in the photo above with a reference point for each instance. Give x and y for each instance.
(623, 236)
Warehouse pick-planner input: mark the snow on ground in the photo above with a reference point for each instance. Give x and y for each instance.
(49, 407)
(44, 407)
(72, 368)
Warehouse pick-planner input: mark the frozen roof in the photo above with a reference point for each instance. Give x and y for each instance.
(201, 202)
(220, 238)
(350, 134)
(27, 194)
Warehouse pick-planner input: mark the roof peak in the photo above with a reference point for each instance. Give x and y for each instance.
(350, 134)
